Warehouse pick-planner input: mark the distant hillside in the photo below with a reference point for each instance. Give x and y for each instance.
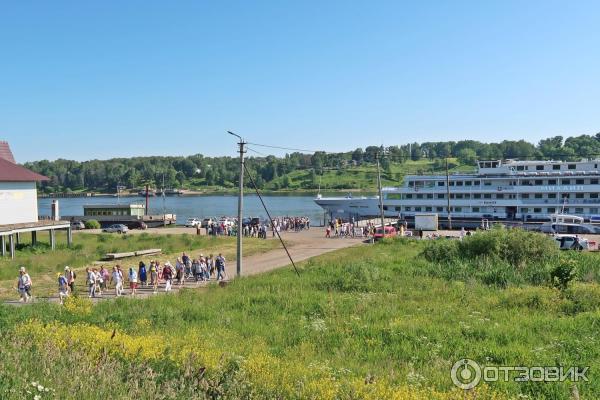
(297, 171)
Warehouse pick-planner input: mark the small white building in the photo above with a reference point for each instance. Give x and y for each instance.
(18, 204)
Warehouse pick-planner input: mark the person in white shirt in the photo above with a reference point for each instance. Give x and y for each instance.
(117, 279)
(24, 285)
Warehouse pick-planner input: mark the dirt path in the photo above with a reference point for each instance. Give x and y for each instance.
(301, 245)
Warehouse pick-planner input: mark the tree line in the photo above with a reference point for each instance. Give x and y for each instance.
(197, 171)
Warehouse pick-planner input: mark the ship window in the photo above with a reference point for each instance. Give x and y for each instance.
(451, 183)
(475, 209)
(467, 196)
(551, 210)
(417, 208)
(427, 208)
(459, 209)
(441, 183)
(539, 167)
(520, 167)
(537, 210)
(551, 181)
(593, 181)
(571, 166)
(475, 183)
(459, 196)
(564, 195)
(487, 196)
(525, 196)
(468, 183)
(488, 183)
(430, 195)
(408, 196)
(566, 210)
(419, 196)
(441, 196)
(565, 181)
(500, 196)
(411, 183)
(459, 183)
(524, 209)
(538, 196)
(578, 210)
(593, 195)
(407, 209)
(385, 207)
(539, 182)
(556, 167)
(594, 210)
(579, 195)
(439, 209)
(579, 181)
(551, 195)
(398, 208)
(477, 196)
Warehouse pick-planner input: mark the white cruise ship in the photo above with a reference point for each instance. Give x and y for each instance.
(511, 191)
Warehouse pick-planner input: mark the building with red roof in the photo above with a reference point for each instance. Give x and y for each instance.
(19, 205)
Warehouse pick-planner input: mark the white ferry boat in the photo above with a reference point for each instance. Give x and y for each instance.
(516, 192)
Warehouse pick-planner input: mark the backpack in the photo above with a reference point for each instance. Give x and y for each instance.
(74, 274)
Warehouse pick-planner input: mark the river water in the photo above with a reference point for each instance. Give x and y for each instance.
(200, 206)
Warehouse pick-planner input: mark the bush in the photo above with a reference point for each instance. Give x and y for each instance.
(498, 257)
(92, 224)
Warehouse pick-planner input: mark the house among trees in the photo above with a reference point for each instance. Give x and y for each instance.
(18, 205)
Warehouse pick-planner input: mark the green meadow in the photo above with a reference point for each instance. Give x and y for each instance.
(386, 321)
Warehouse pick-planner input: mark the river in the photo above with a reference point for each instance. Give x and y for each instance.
(200, 206)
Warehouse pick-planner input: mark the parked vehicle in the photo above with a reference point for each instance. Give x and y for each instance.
(192, 222)
(389, 231)
(571, 242)
(137, 225)
(207, 221)
(118, 228)
(226, 222)
(77, 225)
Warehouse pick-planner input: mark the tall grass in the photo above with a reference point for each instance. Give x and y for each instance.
(366, 322)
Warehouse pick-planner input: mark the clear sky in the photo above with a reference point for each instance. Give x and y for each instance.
(85, 79)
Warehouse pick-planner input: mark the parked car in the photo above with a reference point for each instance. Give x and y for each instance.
(77, 225)
(207, 221)
(191, 222)
(119, 228)
(571, 242)
(137, 225)
(226, 222)
(389, 231)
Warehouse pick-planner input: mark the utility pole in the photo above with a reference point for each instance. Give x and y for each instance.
(380, 194)
(448, 195)
(241, 144)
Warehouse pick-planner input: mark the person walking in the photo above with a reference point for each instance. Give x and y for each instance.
(133, 280)
(91, 282)
(63, 288)
(153, 276)
(70, 275)
(117, 279)
(168, 276)
(142, 273)
(24, 285)
(220, 262)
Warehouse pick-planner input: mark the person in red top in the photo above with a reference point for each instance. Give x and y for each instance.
(167, 274)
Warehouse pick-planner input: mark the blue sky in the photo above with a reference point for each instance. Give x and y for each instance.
(83, 80)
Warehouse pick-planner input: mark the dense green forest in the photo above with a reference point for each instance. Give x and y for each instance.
(329, 171)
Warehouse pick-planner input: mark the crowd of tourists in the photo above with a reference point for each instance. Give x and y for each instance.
(260, 229)
(100, 281)
(338, 228)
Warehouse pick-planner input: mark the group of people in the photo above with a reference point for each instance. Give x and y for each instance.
(340, 229)
(99, 281)
(259, 230)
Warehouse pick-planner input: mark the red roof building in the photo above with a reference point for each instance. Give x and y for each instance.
(5, 152)
(10, 172)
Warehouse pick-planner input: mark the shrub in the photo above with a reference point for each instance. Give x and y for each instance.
(92, 224)
(563, 273)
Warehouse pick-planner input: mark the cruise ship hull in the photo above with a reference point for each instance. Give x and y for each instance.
(348, 208)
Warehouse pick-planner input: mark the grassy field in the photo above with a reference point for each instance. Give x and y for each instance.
(379, 322)
(42, 263)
